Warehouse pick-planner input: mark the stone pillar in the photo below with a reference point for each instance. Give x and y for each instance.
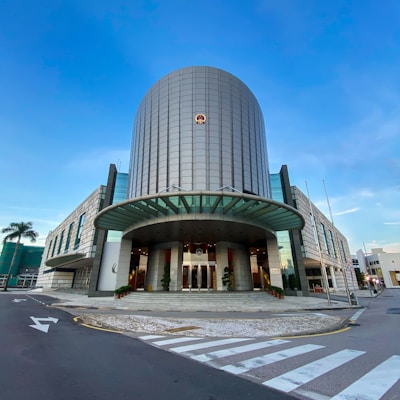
(274, 263)
(176, 267)
(260, 271)
(199, 276)
(241, 268)
(221, 249)
(155, 268)
(190, 276)
(124, 262)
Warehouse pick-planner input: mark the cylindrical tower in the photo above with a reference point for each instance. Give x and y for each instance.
(199, 128)
(199, 205)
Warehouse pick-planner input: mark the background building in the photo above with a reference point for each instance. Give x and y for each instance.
(318, 255)
(26, 264)
(75, 246)
(381, 267)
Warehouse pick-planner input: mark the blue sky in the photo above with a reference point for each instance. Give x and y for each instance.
(326, 75)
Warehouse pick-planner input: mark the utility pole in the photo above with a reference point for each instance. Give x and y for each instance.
(343, 263)
(315, 234)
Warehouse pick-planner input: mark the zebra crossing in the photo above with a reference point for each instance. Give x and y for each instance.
(247, 357)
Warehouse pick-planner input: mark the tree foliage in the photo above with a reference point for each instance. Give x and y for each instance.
(17, 231)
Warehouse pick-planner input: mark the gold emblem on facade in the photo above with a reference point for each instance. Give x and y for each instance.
(200, 119)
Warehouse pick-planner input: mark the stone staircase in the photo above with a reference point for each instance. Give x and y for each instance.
(198, 301)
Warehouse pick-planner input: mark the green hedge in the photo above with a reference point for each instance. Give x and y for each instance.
(276, 289)
(123, 289)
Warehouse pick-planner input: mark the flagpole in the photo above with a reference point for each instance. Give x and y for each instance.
(323, 269)
(342, 262)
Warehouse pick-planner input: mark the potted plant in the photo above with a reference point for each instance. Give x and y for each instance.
(122, 291)
(293, 282)
(117, 293)
(227, 278)
(166, 279)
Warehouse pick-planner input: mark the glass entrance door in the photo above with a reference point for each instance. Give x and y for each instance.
(204, 276)
(185, 277)
(195, 271)
(196, 277)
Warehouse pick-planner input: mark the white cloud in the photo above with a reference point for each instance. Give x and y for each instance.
(366, 193)
(351, 210)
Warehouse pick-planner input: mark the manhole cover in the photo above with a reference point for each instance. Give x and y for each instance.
(393, 311)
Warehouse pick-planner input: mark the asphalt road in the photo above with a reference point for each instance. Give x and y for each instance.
(45, 355)
(373, 340)
(362, 362)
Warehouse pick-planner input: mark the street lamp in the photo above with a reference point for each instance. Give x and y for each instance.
(376, 287)
(368, 278)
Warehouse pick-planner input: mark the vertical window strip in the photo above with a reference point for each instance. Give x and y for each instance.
(54, 246)
(333, 244)
(48, 250)
(79, 231)
(67, 243)
(61, 242)
(325, 238)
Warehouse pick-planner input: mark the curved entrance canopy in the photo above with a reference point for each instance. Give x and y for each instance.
(69, 261)
(263, 213)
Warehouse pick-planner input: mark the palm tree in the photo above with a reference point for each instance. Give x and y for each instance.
(17, 231)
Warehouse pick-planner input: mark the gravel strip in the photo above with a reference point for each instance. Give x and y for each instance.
(279, 326)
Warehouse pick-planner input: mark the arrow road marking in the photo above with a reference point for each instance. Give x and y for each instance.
(18, 300)
(42, 327)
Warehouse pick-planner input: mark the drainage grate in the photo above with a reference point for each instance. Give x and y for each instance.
(393, 311)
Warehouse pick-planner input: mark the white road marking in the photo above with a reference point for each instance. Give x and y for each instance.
(299, 376)
(374, 384)
(43, 327)
(150, 337)
(357, 314)
(175, 340)
(312, 395)
(237, 350)
(261, 361)
(185, 349)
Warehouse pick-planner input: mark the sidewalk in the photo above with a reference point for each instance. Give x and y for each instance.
(292, 316)
(289, 303)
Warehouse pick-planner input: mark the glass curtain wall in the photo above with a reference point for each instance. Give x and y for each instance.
(283, 238)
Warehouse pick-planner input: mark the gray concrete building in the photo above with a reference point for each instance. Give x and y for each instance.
(198, 209)
(70, 248)
(199, 198)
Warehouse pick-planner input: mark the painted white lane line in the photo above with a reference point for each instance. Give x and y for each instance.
(176, 340)
(185, 349)
(237, 350)
(374, 384)
(150, 337)
(261, 361)
(299, 376)
(357, 314)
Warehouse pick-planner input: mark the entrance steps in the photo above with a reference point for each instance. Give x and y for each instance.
(198, 301)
